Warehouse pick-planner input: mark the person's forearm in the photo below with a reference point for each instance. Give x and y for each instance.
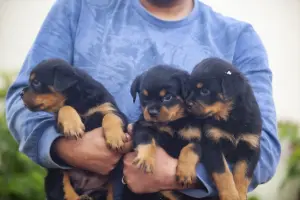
(251, 58)
(35, 132)
(28, 129)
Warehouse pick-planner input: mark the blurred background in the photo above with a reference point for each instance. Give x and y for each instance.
(276, 21)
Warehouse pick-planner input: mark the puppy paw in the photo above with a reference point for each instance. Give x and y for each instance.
(145, 159)
(113, 131)
(145, 163)
(186, 174)
(69, 123)
(85, 197)
(115, 139)
(69, 129)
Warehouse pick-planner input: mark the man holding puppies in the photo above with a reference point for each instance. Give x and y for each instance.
(114, 40)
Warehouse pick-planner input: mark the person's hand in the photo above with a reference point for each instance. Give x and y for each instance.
(162, 178)
(90, 152)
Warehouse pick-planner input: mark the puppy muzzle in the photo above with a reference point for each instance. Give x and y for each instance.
(153, 112)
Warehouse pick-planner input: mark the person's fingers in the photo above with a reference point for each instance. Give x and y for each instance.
(128, 137)
(129, 128)
(128, 158)
(127, 147)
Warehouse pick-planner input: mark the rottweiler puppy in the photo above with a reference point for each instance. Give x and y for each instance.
(164, 122)
(80, 104)
(222, 95)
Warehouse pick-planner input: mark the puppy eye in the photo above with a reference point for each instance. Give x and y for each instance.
(36, 83)
(204, 92)
(168, 97)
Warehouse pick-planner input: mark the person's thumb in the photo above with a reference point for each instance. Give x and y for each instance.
(127, 147)
(129, 129)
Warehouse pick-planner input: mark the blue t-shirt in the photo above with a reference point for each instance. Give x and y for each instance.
(115, 40)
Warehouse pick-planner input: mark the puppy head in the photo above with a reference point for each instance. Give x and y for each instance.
(48, 83)
(214, 86)
(161, 91)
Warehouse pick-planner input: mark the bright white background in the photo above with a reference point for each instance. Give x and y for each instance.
(277, 22)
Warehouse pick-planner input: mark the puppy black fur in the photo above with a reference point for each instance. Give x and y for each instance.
(80, 104)
(165, 123)
(233, 124)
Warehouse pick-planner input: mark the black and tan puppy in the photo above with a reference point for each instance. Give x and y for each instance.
(164, 122)
(222, 95)
(80, 104)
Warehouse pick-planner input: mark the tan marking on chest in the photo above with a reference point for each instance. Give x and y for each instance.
(217, 134)
(251, 139)
(190, 133)
(166, 129)
(104, 108)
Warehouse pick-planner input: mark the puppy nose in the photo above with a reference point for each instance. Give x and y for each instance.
(153, 112)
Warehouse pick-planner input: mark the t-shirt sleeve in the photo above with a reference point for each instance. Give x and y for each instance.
(35, 132)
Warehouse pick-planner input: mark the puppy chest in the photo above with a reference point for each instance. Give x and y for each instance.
(230, 140)
(172, 146)
(92, 121)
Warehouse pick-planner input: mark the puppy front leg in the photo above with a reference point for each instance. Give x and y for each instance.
(69, 122)
(110, 192)
(69, 191)
(187, 162)
(247, 157)
(113, 128)
(170, 195)
(145, 146)
(215, 163)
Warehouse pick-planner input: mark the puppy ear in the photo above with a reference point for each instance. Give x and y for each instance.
(183, 83)
(135, 87)
(232, 85)
(64, 79)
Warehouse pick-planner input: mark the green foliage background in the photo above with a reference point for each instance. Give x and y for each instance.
(291, 132)
(20, 178)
